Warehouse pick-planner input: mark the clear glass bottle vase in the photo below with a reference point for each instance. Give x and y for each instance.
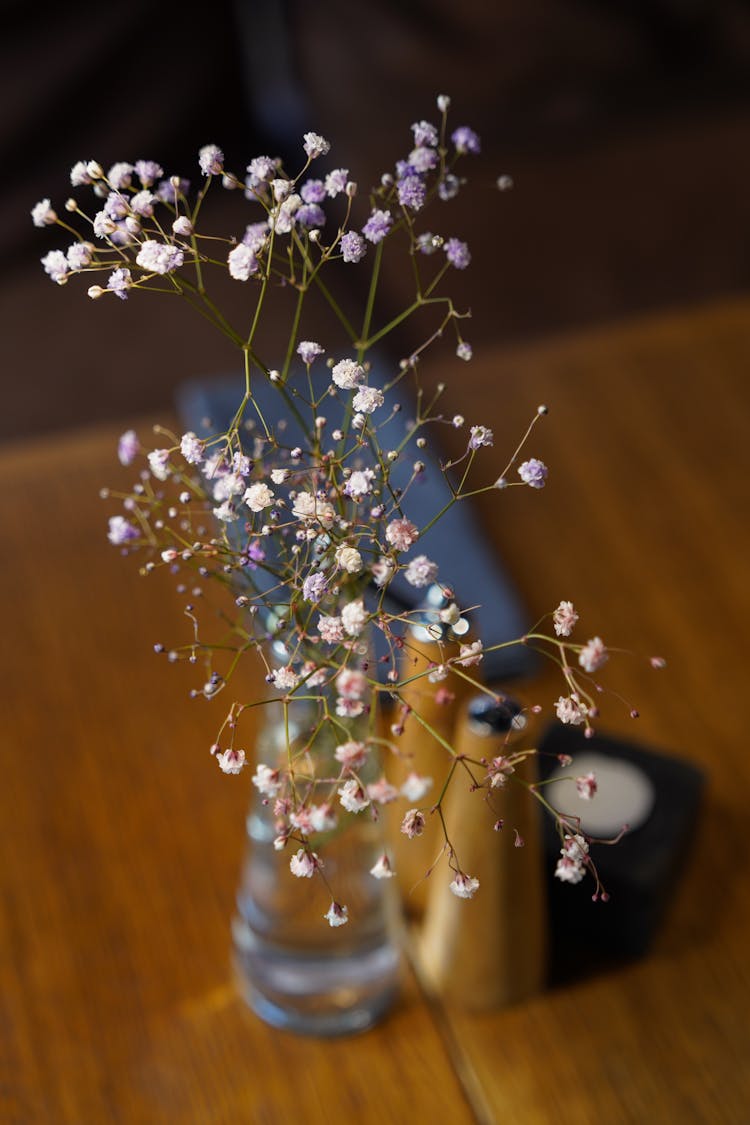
(296, 971)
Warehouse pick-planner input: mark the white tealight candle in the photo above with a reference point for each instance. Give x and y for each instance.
(624, 794)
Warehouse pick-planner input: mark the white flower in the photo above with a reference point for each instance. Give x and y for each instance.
(359, 483)
(191, 448)
(315, 145)
(415, 787)
(383, 869)
(593, 655)
(382, 571)
(266, 780)
(242, 262)
(350, 683)
(258, 496)
(56, 266)
(158, 463)
(42, 214)
(353, 617)
(353, 796)
(568, 871)
(285, 679)
(225, 512)
(349, 559)
(322, 818)
(79, 255)
(367, 399)
(278, 476)
(570, 710)
(347, 374)
(575, 848)
(309, 508)
(336, 915)
(464, 886)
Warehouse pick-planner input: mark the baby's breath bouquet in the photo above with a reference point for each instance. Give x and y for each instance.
(298, 517)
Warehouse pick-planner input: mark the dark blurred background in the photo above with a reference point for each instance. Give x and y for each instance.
(624, 126)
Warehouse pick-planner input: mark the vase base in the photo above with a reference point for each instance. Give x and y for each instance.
(316, 996)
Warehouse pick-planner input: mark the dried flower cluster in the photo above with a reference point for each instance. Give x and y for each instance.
(299, 520)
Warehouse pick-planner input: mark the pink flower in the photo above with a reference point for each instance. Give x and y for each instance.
(382, 791)
(351, 754)
(470, 654)
(128, 447)
(303, 864)
(350, 683)
(564, 618)
(231, 761)
(421, 571)
(413, 824)
(593, 655)
(401, 534)
(330, 629)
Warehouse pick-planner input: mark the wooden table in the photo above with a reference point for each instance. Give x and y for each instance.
(121, 840)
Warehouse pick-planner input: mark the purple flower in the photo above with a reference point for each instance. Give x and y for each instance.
(119, 282)
(308, 350)
(168, 193)
(159, 257)
(423, 159)
(314, 587)
(148, 171)
(56, 266)
(336, 181)
(457, 253)
(128, 447)
(121, 531)
(211, 160)
(353, 248)
(262, 168)
(466, 140)
(254, 554)
(424, 133)
(310, 215)
(411, 192)
(377, 226)
(533, 473)
(448, 187)
(313, 191)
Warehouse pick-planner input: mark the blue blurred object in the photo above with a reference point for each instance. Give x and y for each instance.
(456, 543)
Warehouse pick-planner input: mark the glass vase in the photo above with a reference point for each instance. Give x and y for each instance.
(295, 970)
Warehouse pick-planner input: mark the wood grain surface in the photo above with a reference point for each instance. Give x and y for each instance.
(120, 840)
